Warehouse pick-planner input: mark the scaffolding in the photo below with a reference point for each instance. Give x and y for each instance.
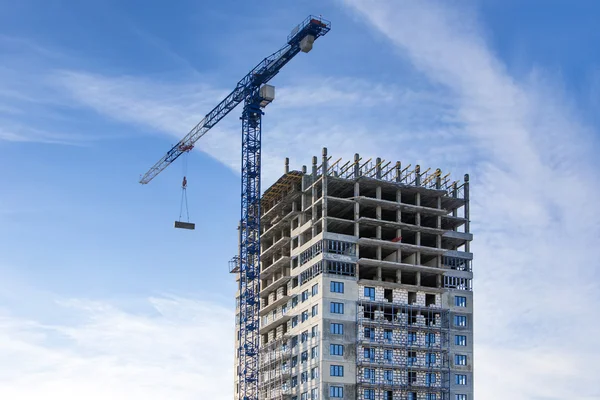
(274, 370)
(402, 352)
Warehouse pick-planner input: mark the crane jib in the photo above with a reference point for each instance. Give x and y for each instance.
(259, 75)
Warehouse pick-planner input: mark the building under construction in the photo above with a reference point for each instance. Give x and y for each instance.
(365, 289)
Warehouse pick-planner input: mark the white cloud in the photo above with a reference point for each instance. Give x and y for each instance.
(322, 111)
(178, 348)
(531, 199)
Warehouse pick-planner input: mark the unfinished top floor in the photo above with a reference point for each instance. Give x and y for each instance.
(387, 206)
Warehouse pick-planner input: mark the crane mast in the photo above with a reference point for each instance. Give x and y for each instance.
(253, 90)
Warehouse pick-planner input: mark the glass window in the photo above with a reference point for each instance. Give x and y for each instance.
(336, 370)
(369, 353)
(369, 334)
(315, 289)
(430, 339)
(460, 397)
(412, 357)
(430, 359)
(304, 315)
(305, 295)
(460, 320)
(336, 308)
(304, 336)
(294, 301)
(412, 337)
(429, 379)
(388, 355)
(314, 373)
(314, 394)
(336, 349)
(460, 340)
(460, 359)
(369, 394)
(336, 287)
(314, 330)
(304, 356)
(387, 335)
(336, 391)
(431, 396)
(315, 310)
(337, 329)
(460, 301)
(388, 375)
(370, 293)
(314, 352)
(461, 379)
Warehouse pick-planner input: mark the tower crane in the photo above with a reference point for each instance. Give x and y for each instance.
(253, 90)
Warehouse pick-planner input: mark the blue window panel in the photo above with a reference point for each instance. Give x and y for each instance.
(336, 349)
(336, 308)
(460, 359)
(460, 320)
(460, 340)
(336, 391)
(337, 329)
(336, 370)
(336, 287)
(460, 301)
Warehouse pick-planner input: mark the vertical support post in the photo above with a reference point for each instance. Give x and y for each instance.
(250, 248)
(467, 222)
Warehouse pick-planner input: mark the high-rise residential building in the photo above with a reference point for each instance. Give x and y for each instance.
(365, 284)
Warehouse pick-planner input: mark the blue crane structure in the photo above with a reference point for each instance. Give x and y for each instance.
(256, 94)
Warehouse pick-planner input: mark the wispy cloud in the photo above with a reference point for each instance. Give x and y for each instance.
(534, 232)
(171, 348)
(333, 112)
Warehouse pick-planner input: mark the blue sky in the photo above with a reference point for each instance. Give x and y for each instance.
(101, 297)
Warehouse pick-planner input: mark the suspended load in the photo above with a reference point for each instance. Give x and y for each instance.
(184, 203)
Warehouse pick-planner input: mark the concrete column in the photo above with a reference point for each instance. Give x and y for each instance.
(398, 216)
(467, 222)
(418, 223)
(378, 216)
(417, 175)
(314, 195)
(418, 278)
(454, 194)
(379, 274)
(399, 276)
(356, 209)
(356, 165)
(439, 281)
(397, 172)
